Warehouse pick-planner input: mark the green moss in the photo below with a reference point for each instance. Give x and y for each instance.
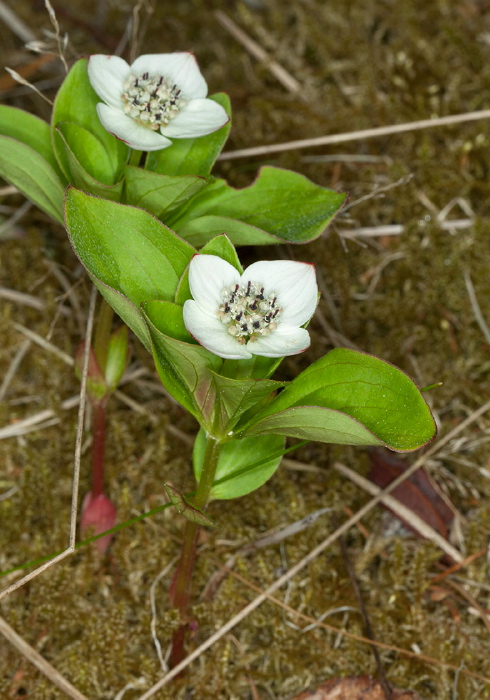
(360, 65)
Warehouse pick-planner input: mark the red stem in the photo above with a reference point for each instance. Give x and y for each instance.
(181, 595)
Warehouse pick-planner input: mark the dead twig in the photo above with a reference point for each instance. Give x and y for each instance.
(40, 662)
(367, 622)
(356, 135)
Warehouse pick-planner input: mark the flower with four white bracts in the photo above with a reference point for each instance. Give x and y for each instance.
(258, 313)
(157, 98)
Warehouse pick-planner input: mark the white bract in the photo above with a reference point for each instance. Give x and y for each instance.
(157, 98)
(258, 313)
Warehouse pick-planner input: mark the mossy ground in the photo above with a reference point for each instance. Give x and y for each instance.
(403, 297)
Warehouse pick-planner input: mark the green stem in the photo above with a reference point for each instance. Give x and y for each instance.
(135, 158)
(102, 334)
(98, 446)
(181, 594)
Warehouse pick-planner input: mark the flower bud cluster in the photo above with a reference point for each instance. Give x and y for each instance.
(151, 100)
(247, 312)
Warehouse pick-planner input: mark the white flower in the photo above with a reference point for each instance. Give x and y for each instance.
(157, 98)
(258, 313)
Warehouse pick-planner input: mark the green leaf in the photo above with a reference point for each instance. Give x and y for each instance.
(30, 130)
(126, 310)
(192, 156)
(199, 231)
(182, 366)
(349, 397)
(32, 175)
(187, 509)
(220, 246)
(126, 248)
(76, 102)
(236, 396)
(160, 194)
(193, 375)
(315, 423)
(243, 465)
(90, 151)
(117, 357)
(279, 206)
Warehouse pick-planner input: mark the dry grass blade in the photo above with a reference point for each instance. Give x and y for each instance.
(8, 82)
(154, 615)
(40, 420)
(285, 78)
(61, 42)
(402, 511)
(22, 81)
(7, 190)
(22, 298)
(312, 555)
(70, 291)
(313, 623)
(16, 25)
(484, 615)
(81, 418)
(45, 344)
(476, 307)
(35, 658)
(76, 470)
(357, 135)
(14, 365)
(6, 227)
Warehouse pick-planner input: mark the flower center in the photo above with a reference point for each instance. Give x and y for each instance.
(247, 312)
(151, 100)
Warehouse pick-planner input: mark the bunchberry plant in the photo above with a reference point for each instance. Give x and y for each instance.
(157, 235)
(217, 334)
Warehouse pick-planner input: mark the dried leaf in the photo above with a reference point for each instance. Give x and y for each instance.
(355, 688)
(417, 492)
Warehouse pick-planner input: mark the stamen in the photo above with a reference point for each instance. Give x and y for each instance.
(151, 100)
(247, 313)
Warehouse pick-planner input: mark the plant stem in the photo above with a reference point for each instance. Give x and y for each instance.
(135, 157)
(181, 594)
(98, 445)
(102, 334)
